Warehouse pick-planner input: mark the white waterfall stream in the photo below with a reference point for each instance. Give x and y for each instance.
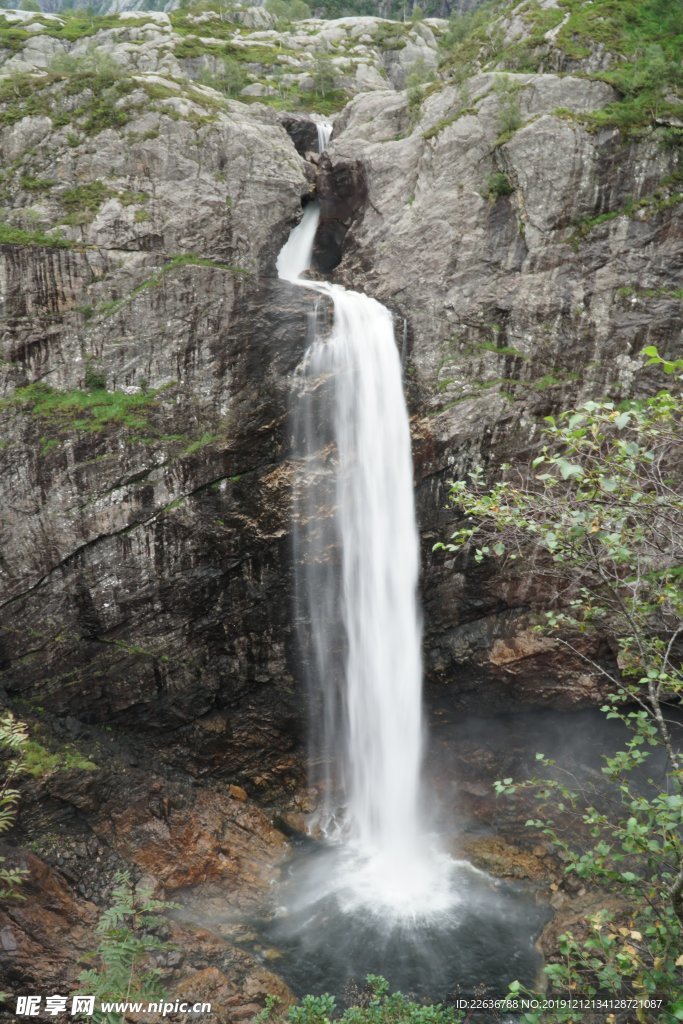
(357, 561)
(324, 135)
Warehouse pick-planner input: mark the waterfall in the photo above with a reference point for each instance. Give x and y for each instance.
(357, 567)
(324, 134)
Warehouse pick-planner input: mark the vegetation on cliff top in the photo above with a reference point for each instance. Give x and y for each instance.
(634, 45)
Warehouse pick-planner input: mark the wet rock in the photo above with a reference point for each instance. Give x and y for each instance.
(302, 131)
(502, 859)
(43, 935)
(342, 193)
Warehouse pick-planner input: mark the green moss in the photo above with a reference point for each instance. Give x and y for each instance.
(39, 762)
(650, 293)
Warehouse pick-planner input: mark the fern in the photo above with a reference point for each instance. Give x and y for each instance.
(13, 737)
(127, 929)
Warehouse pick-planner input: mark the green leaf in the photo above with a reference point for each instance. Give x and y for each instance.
(569, 469)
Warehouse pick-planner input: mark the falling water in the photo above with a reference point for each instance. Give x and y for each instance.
(358, 565)
(324, 134)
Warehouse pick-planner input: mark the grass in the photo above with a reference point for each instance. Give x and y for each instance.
(644, 38)
(201, 442)
(31, 184)
(89, 411)
(10, 235)
(48, 94)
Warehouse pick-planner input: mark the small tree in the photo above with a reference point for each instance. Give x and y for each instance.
(598, 519)
(323, 74)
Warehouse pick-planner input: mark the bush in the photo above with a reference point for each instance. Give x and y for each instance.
(229, 78)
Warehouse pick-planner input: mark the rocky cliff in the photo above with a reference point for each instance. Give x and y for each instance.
(528, 246)
(530, 269)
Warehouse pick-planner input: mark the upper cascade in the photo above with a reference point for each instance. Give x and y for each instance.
(324, 135)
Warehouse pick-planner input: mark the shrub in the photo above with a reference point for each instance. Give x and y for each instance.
(375, 1006)
(498, 184)
(598, 516)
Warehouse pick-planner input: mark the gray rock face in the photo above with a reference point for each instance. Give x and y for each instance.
(530, 269)
(145, 568)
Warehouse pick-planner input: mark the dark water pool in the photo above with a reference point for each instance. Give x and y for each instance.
(484, 940)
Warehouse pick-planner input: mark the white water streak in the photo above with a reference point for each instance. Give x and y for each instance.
(324, 134)
(357, 507)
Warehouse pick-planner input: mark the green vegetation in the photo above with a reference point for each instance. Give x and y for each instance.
(498, 185)
(188, 259)
(230, 77)
(30, 184)
(13, 740)
(376, 1006)
(40, 762)
(83, 201)
(509, 113)
(131, 930)
(287, 11)
(644, 38)
(88, 411)
(9, 235)
(391, 35)
(201, 442)
(668, 194)
(96, 77)
(599, 521)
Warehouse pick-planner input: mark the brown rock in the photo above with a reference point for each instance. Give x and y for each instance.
(502, 859)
